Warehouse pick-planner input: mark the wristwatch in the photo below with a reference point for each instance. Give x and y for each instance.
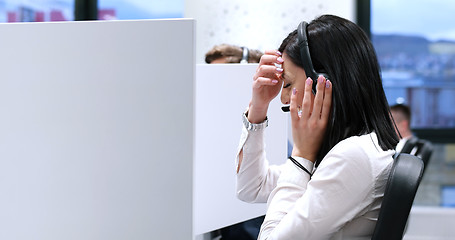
(253, 126)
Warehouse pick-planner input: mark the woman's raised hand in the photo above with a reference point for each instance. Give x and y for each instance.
(310, 115)
(266, 85)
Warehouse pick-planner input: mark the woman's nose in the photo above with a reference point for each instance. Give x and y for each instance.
(285, 98)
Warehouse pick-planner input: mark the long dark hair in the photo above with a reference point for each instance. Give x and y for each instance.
(341, 49)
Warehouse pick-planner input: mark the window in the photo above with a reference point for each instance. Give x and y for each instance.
(139, 9)
(36, 11)
(415, 44)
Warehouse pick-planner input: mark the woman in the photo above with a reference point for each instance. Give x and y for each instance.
(332, 185)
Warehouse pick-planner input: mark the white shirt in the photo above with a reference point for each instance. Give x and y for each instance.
(341, 201)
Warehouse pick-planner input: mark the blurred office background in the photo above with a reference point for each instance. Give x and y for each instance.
(415, 43)
(414, 40)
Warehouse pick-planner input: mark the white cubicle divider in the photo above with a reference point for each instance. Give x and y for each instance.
(96, 130)
(223, 92)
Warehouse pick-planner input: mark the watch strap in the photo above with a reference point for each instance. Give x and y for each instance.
(253, 126)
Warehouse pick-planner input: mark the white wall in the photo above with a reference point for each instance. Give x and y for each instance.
(258, 24)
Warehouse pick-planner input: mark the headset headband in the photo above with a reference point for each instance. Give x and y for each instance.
(305, 54)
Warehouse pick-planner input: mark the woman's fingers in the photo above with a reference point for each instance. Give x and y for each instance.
(308, 128)
(270, 60)
(270, 65)
(307, 104)
(318, 99)
(295, 107)
(327, 102)
(323, 99)
(272, 52)
(317, 108)
(266, 85)
(271, 57)
(263, 81)
(301, 101)
(268, 71)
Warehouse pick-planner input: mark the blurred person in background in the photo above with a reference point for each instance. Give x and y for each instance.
(226, 53)
(402, 116)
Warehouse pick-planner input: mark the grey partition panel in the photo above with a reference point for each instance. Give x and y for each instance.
(96, 130)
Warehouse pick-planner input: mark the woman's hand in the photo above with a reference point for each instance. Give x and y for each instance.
(310, 117)
(266, 85)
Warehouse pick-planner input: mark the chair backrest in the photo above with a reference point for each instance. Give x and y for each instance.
(410, 144)
(424, 151)
(399, 194)
(420, 148)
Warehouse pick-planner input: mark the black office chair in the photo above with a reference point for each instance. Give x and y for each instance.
(410, 144)
(424, 151)
(401, 188)
(420, 148)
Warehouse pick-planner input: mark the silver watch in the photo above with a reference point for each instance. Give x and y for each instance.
(253, 126)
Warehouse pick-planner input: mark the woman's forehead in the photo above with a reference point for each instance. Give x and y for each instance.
(289, 68)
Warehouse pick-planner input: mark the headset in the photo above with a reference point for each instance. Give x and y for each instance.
(302, 36)
(245, 55)
(305, 55)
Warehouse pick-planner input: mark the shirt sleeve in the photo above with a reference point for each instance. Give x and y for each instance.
(300, 208)
(256, 178)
